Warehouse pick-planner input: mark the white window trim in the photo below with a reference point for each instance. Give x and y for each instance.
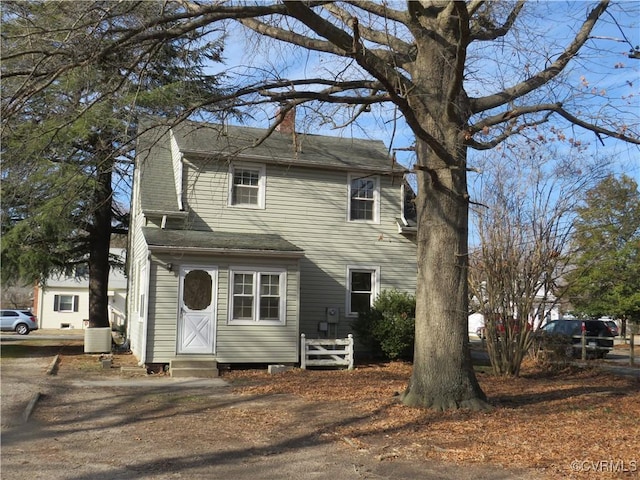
(375, 284)
(74, 303)
(262, 182)
(376, 197)
(257, 271)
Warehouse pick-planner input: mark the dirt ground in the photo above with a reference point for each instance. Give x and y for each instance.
(95, 423)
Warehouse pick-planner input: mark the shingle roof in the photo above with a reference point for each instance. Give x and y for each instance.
(117, 280)
(312, 150)
(157, 183)
(156, 170)
(223, 241)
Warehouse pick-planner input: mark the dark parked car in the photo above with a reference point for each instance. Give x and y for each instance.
(566, 335)
(19, 321)
(481, 331)
(613, 327)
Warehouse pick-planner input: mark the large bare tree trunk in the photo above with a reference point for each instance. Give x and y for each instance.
(443, 376)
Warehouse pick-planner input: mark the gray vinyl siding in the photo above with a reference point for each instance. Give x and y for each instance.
(308, 207)
(234, 343)
(137, 253)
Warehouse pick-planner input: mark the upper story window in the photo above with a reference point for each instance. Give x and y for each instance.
(364, 199)
(247, 185)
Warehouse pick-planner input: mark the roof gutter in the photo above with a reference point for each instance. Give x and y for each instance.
(287, 162)
(226, 251)
(163, 213)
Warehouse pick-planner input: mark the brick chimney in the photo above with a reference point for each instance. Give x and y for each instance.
(288, 123)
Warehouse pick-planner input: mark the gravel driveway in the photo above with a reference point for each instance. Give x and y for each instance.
(92, 424)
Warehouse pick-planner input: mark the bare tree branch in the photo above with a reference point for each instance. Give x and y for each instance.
(483, 29)
(400, 50)
(474, 5)
(492, 101)
(381, 10)
(595, 128)
(508, 132)
(291, 37)
(394, 82)
(456, 85)
(549, 108)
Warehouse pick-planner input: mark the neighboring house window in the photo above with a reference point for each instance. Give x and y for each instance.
(247, 185)
(65, 303)
(257, 296)
(364, 199)
(363, 287)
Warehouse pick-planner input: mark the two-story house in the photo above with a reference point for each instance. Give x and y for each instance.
(238, 247)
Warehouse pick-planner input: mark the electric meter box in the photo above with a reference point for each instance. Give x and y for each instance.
(333, 314)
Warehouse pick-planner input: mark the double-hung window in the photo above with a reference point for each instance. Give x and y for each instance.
(363, 288)
(257, 296)
(247, 185)
(364, 199)
(65, 303)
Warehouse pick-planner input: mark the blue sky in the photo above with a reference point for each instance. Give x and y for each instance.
(603, 70)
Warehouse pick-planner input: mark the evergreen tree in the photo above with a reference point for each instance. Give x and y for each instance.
(70, 106)
(606, 278)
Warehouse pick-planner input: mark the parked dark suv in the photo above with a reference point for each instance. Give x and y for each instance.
(20, 321)
(567, 335)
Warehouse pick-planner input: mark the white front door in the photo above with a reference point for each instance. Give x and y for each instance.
(196, 317)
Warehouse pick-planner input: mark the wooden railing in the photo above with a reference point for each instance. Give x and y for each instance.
(326, 352)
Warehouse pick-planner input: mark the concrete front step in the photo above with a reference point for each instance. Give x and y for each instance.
(193, 368)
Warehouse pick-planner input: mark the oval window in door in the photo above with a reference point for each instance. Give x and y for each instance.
(197, 288)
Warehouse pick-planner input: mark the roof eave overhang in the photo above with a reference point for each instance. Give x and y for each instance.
(226, 251)
(169, 213)
(406, 229)
(288, 162)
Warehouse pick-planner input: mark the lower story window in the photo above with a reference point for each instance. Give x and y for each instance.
(363, 287)
(257, 296)
(65, 303)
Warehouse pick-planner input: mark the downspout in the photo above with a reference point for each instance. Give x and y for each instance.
(176, 160)
(39, 303)
(145, 323)
(402, 204)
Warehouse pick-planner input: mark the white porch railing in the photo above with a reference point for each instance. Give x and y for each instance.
(336, 352)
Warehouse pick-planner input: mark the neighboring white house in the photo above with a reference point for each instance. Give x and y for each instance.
(238, 248)
(64, 300)
(546, 308)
